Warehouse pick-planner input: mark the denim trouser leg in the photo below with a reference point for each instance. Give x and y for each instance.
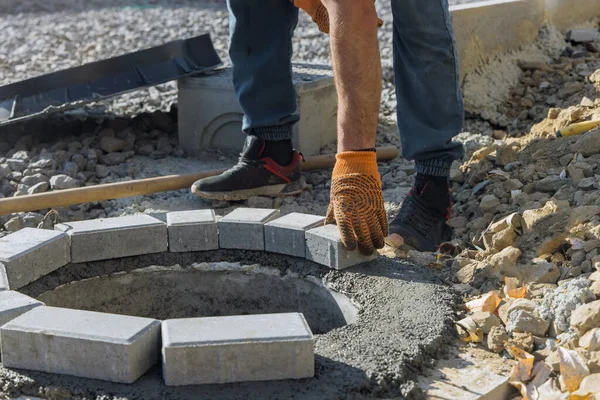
(261, 51)
(430, 104)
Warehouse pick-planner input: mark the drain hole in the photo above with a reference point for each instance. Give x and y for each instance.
(192, 293)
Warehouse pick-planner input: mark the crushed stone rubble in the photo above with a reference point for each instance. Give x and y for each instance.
(526, 252)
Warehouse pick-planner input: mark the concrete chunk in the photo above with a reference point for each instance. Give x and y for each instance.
(13, 304)
(285, 235)
(324, 246)
(237, 349)
(243, 228)
(86, 344)
(194, 230)
(103, 239)
(30, 253)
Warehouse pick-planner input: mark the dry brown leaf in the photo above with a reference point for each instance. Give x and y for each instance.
(572, 369)
(551, 391)
(541, 373)
(525, 363)
(512, 289)
(474, 333)
(589, 385)
(488, 302)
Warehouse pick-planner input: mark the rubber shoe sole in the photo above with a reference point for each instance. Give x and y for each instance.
(282, 190)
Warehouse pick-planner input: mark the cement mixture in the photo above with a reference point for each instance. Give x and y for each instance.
(391, 340)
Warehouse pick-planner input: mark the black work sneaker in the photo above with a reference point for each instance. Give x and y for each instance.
(253, 175)
(422, 219)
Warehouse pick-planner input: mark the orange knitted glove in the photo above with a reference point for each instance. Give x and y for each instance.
(319, 13)
(357, 202)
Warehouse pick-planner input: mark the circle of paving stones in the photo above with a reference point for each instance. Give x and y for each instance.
(121, 348)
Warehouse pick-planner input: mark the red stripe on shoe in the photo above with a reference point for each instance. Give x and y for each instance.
(281, 171)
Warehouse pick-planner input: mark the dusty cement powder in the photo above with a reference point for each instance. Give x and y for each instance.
(403, 323)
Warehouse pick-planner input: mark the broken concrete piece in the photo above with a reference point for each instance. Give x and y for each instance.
(497, 337)
(510, 305)
(550, 184)
(586, 317)
(591, 340)
(86, 344)
(583, 35)
(588, 144)
(486, 320)
(286, 235)
(244, 229)
(30, 253)
(237, 349)
(543, 272)
(505, 262)
(194, 230)
(521, 321)
(324, 246)
(489, 202)
(108, 238)
(581, 214)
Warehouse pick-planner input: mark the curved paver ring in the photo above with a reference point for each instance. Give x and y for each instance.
(122, 348)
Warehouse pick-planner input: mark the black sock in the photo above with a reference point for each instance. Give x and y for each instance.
(280, 151)
(436, 189)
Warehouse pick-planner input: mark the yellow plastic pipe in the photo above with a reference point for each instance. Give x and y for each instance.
(578, 129)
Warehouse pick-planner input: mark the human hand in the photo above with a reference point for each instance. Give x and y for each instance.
(356, 203)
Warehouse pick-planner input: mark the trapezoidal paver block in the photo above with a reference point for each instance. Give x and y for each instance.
(108, 238)
(31, 253)
(244, 228)
(286, 235)
(194, 230)
(324, 246)
(86, 344)
(261, 347)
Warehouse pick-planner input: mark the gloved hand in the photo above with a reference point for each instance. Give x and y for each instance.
(319, 13)
(356, 203)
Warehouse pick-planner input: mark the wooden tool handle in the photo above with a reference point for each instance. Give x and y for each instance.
(69, 197)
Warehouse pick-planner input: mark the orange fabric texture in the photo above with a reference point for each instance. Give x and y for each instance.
(319, 13)
(356, 203)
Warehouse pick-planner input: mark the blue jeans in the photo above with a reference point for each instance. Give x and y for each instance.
(430, 105)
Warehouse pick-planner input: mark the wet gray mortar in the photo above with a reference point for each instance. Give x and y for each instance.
(404, 323)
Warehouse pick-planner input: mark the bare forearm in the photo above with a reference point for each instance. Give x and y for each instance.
(357, 69)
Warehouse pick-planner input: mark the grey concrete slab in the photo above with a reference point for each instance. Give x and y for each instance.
(194, 230)
(30, 253)
(285, 235)
(13, 304)
(237, 349)
(85, 344)
(324, 246)
(103, 239)
(243, 228)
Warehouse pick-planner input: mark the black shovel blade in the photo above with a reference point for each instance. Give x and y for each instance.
(73, 87)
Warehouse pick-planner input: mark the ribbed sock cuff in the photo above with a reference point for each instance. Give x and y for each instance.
(434, 167)
(275, 132)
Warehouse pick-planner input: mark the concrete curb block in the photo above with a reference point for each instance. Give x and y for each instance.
(198, 351)
(28, 331)
(491, 28)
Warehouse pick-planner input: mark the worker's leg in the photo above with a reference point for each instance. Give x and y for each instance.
(261, 50)
(430, 114)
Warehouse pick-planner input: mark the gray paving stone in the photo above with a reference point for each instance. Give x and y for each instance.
(243, 228)
(324, 246)
(13, 304)
(285, 235)
(85, 344)
(237, 349)
(194, 230)
(103, 239)
(30, 253)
